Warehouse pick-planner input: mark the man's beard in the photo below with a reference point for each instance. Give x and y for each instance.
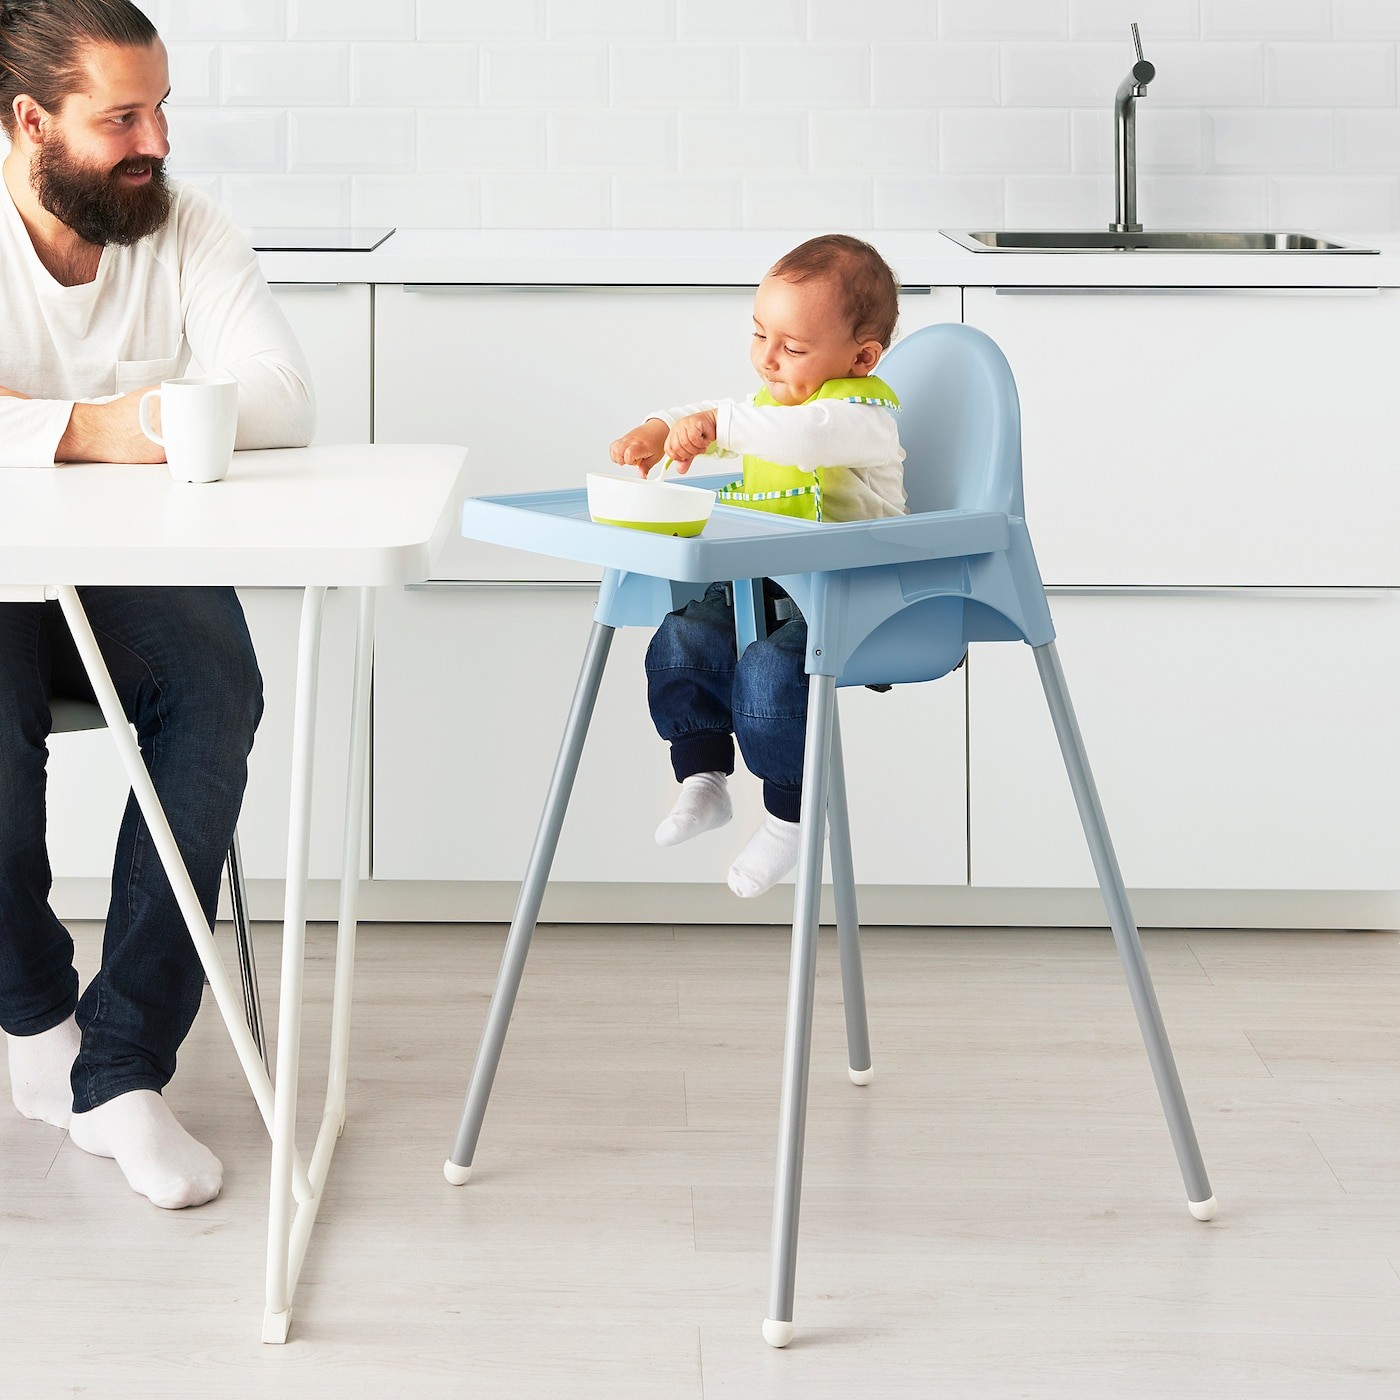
(96, 204)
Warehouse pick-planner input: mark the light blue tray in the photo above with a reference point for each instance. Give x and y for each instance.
(736, 544)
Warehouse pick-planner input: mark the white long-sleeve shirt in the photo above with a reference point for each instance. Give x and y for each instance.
(189, 298)
(857, 444)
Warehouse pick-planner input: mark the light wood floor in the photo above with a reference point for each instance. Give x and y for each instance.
(998, 1215)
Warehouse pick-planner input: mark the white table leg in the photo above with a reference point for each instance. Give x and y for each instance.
(289, 1233)
(130, 753)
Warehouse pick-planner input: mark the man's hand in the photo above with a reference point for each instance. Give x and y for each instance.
(641, 447)
(11, 393)
(110, 432)
(690, 437)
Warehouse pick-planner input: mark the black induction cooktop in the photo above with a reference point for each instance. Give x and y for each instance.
(318, 240)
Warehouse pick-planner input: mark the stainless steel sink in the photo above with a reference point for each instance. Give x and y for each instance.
(1096, 241)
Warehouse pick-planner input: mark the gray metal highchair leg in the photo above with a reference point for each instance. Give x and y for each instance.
(843, 883)
(247, 966)
(458, 1167)
(797, 1051)
(1125, 935)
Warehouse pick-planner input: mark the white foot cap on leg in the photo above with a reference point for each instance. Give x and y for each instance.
(861, 1076)
(776, 1334)
(456, 1176)
(276, 1326)
(1203, 1210)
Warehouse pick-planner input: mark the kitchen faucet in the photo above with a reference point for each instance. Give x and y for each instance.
(1125, 141)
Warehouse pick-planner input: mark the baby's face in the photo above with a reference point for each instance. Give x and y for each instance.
(801, 338)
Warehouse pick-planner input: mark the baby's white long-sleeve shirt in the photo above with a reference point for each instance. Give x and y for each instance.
(190, 293)
(856, 444)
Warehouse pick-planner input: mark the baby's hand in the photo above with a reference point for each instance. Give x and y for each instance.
(640, 448)
(690, 437)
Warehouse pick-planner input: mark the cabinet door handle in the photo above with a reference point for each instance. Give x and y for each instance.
(1187, 291)
(477, 288)
(309, 286)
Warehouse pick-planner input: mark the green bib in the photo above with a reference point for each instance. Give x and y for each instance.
(789, 490)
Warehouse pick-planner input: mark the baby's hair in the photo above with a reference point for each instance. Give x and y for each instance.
(869, 288)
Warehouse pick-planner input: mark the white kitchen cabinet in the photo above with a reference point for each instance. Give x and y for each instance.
(1206, 436)
(1239, 739)
(538, 381)
(332, 322)
(87, 787)
(473, 687)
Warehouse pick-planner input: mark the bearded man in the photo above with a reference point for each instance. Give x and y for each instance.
(112, 279)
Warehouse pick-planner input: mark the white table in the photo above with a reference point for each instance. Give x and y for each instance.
(354, 516)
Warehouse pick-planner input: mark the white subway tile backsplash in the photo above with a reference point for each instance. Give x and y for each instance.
(1204, 201)
(789, 113)
(416, 201)
(889, 21)
(739, 141)
(1003, 19)
(818, 75)
(1330, 75)
(533, 201)
(194, 73)
(644, 75)
(898, 142)
(480, 20)
(741, 19)
(469, 142)
(939, 201)
(1062, 75)
(226, 142)
(1204, 75)
(1059, 201)
(810, 203)
(427, 75)
(612, 142)
(544, 75)
(936, 75)
(1366, 19)
(1335, 203)
(999, 141)
(310, 201)
(676, 202)
(1274, 139)
(286, 75)
(1156, 20)
(351, 19)
(1368, 141)
(347, 139)
(1266, 19)
(609, 19)
(216, 19)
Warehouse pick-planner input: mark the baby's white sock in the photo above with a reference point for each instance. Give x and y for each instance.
(40, 1070)
(770, 854)
(703, 805)
(159, 1159)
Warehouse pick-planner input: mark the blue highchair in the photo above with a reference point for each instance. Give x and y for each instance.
(886, 601)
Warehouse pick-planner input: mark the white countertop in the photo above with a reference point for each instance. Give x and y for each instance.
(601, 257)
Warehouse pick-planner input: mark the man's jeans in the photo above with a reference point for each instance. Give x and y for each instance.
(700, 695)
(184, 668)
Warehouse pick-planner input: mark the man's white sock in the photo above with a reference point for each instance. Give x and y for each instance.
(703, 804)
(770, 854)
(40, 1070)
(159, 1159)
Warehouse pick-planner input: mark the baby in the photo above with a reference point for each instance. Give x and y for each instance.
(818, 441)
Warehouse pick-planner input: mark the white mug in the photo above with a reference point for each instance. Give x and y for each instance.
(199, 421)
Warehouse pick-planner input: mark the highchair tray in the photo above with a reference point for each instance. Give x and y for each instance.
(737, 543)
